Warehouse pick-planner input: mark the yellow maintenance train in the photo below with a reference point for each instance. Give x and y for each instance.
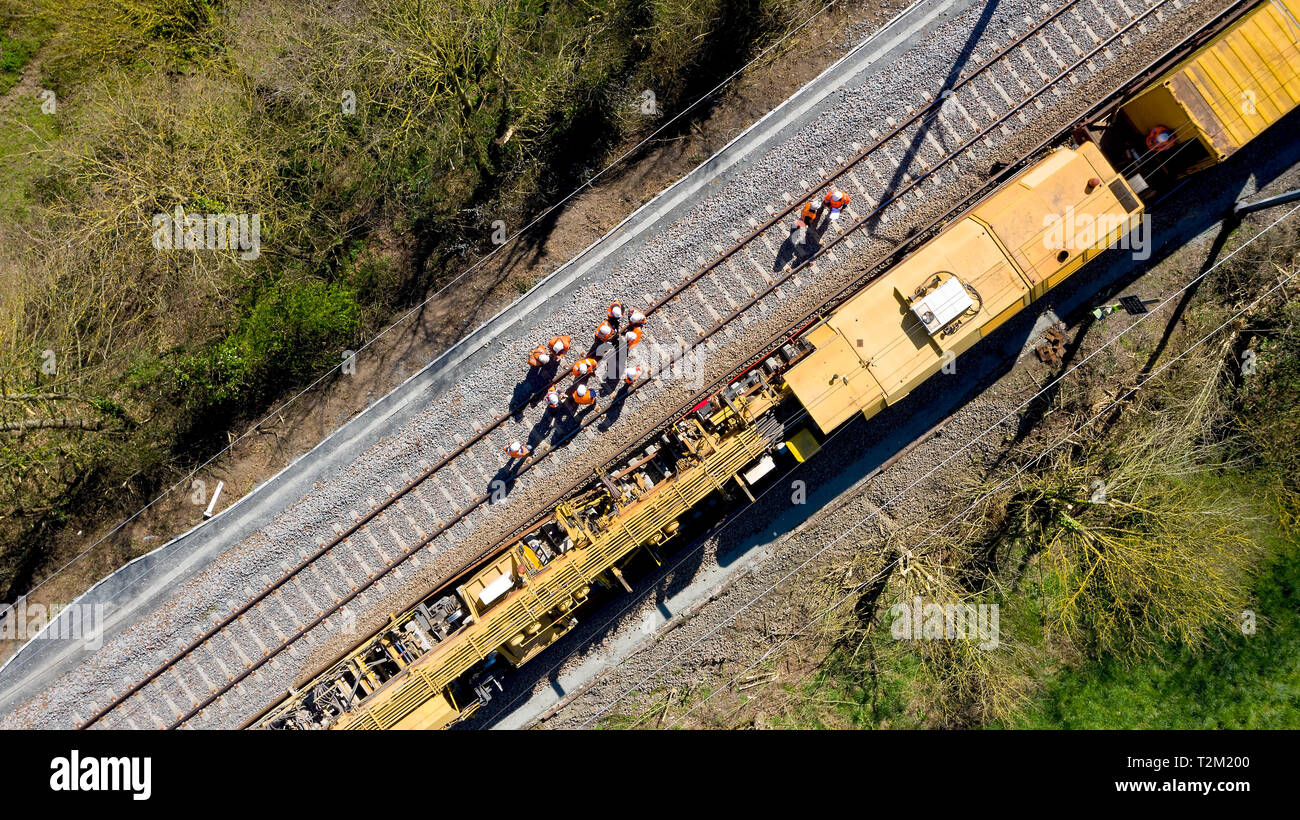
(439, 661)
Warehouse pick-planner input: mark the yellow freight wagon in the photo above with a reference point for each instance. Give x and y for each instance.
(1229, 91)
(960, 286)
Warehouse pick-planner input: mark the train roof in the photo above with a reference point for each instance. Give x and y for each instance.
(873, 351)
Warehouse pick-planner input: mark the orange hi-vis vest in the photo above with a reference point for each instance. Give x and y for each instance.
(809, 212)
(632, 337)
(835, 201)
(517, 450)
(605, 332)
(535, 358)
(632, 374)
(616, 310)
(636, 318)
(583, 395)
(578, 367)
(564, 342)
(1160, 139)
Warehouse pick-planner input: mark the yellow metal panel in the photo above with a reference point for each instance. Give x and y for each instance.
(1247, 77)
(1049, 217)
(898, 350)
(1002, 251)
(415, 696)
(473, 588)
(820, 334)
(833, 384)
(803, 446)
(997, 321)
(435, 713)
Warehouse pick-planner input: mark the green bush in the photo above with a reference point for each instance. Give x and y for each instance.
(14, 54)
(290, 331)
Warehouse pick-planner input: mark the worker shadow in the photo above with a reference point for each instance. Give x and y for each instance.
(500, 485)
(545, 425)
(617, 401)
(797, 247)
(532, 385)
(560, 423)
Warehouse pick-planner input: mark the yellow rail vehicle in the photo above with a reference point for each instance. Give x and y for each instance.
(962, 285)
(440, 661)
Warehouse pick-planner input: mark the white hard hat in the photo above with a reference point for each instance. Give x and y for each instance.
(557, 347)
(617, 310)
(516, 445)
(582, 367)
(544, 358)
(630, 335)
(632, 371)
(582, 390)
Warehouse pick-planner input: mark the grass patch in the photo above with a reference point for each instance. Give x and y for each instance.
(1239, 681)
(25, 134)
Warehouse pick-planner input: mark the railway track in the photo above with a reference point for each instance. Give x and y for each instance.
(974, 107)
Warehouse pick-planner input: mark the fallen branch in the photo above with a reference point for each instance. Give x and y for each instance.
(50, 424)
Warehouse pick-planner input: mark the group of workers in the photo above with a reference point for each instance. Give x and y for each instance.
(556, 349)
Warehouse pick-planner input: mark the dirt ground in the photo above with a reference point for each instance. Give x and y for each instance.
(259, 450)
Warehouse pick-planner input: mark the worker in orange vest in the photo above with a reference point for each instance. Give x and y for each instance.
(553, 398)
(540, 357)
(584, 367)
(616, 310)
(516, 449)
(582, 395)
(808, 217)
(632, 373)
(605, 332)
(836, 200)
(560, 345)
(1161, 138)
(633, 337)
(636, 318)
